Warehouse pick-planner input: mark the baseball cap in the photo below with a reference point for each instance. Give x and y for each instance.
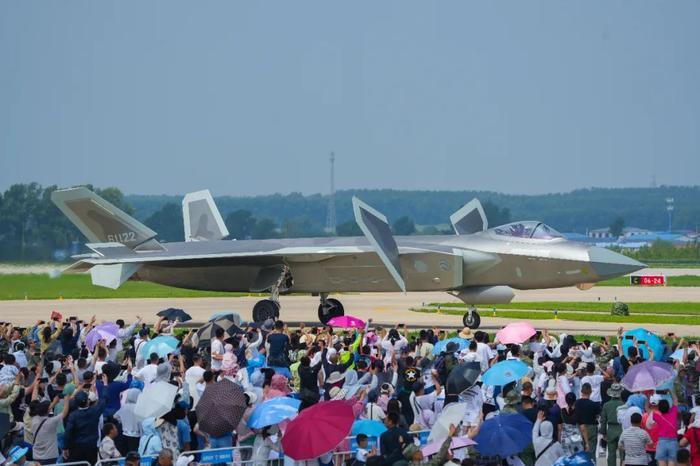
(655, 398)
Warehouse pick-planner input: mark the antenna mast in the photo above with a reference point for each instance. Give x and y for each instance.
(330, 217)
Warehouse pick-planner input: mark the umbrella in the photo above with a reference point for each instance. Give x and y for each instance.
(441, 345)
(162, 346)
(230, 315)
(174, 314)
(504, 435)
(221, 408)
(95, 335)
(206, 333)
(515, 332)
(317, 430)
(368, 427)
(462, 377)
(346, 322)
(453, 414)
(505, 372)
(155, 400)
(579, 459)
(109, 327)
(647, 376)
(273, 412)
(457, 443)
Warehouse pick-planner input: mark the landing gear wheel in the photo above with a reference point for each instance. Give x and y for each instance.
(328, 309)
(471, 319)
(266, 309)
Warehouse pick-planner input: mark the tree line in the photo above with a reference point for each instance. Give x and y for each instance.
(32, 228)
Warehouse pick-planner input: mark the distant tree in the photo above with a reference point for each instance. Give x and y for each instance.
(167, 222)
(115, 196)
(617, 226)
(404, 226)
(240, 224)
(302, 227)
(264, 228)
(348, 228)
(496, 215)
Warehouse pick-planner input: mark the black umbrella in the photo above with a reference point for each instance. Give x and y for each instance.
(205, 334)
(462, 377)
(172, 314)
(220, 408)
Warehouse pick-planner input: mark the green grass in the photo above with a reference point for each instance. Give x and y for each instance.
(680, 280)
(593, 317)
(590, 307)
(79, 286)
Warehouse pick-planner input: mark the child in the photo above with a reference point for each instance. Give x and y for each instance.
(107, 448)
(362, 451)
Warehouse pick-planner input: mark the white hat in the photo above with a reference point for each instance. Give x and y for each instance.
(337, 393)
(655, 398)
(92, 397)
(335, 377)
(252, 396)
(184, 460)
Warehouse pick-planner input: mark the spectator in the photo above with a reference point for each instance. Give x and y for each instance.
(634, 441)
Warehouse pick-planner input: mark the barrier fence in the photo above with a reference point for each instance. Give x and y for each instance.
(74, 463)
(239, 456)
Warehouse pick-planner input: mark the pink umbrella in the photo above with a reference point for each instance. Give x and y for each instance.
(457, 443)
(515, 332)
(346, 322)
(317, 430)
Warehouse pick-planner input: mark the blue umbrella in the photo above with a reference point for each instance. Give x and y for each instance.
(368, 427)
(579, 459)
(505, 372)
(162, 346)
(441, 345)
(504, 435)
(273, 412)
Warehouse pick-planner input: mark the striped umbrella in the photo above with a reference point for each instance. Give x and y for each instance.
(221, 408)
(207, 332)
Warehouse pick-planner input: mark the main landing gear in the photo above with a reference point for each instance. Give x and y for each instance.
(270, 308)
(471, 318)
(329, 308)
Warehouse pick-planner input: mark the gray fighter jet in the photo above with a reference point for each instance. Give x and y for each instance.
(478, 265)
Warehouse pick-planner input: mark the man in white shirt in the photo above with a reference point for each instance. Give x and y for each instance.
(483, 350)
(594, 380)
(124, 334)
(149, 372)
(217, 350)
(193, 375)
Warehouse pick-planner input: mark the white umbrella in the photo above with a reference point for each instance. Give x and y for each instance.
(156, 400)
(453, 414)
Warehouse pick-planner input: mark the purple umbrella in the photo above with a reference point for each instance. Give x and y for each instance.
(107, 331)
(647, 376)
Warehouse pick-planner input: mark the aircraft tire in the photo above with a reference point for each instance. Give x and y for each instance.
(266, 309)
(472, 322)
(328, 309)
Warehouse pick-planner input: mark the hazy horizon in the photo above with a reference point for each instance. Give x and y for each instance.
(249, 99)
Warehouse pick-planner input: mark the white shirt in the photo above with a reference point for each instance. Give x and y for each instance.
(192, 376)
(624, 415)
(595, 381)
(484, 352)
(217, 347)
(148, 373)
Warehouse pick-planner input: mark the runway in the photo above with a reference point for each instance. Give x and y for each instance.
(384, 308)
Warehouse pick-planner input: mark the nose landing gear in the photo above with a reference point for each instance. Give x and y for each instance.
(471, 318)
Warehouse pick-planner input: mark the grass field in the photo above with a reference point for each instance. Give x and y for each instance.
(679, 280)
(592, 307)
(71, 286)
(581, 317)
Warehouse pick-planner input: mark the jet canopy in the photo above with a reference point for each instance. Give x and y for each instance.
(529, 229)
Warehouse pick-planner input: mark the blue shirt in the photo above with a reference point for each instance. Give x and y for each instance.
(183, 433)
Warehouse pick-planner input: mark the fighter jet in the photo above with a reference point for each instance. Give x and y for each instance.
(478, 265)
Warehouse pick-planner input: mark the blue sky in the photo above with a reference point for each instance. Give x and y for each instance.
(250, 97)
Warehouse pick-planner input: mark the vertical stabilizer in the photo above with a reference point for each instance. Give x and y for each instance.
(202, 219)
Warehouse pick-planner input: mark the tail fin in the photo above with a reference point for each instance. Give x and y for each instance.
(102, 222)
(471, 218)
(202, 219)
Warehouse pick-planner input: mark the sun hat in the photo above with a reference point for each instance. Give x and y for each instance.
(337, 393)
(335, 377)
(466, 333)
(184, 460)
(16, 453)
(615, 390)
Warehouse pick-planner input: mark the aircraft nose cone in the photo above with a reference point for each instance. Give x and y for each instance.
(610, 264)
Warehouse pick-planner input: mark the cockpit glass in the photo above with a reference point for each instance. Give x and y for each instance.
(537, 230)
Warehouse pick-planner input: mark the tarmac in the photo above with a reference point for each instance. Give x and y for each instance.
(386, 309)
